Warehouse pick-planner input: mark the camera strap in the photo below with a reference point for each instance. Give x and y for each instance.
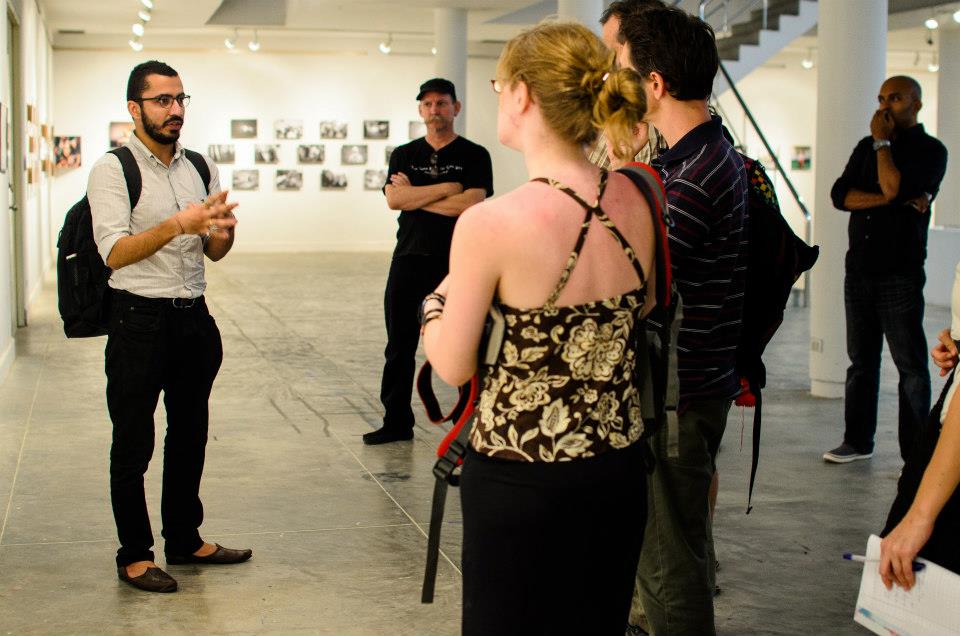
(450, 454)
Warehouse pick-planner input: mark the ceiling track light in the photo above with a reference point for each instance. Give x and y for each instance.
(387, 45)
(956, 16)
(934, 64)
(231, 40)
(144, 14)
(254, 44)
(807, 62)
(148, 4)
(433, 50)
(138, 29)
(931, 23)
(135, 44)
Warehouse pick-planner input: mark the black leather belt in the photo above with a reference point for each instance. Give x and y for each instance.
(178, 303)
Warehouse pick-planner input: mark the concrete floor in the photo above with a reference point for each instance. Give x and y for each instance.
(337, 528)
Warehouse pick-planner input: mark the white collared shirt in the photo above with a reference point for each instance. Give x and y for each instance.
(176, 270)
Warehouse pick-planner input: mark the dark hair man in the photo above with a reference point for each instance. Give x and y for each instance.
(891, 178)
(161, 336)
(676, 55)
(431, 181)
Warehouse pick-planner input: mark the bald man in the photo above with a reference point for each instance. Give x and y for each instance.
(887, 187)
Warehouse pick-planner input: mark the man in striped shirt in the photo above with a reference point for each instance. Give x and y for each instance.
(706, 185)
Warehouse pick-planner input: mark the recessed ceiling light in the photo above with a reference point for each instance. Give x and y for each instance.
(931, 23)
(138, 29)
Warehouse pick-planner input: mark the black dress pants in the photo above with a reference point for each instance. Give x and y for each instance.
(155, 346)
(410, 279)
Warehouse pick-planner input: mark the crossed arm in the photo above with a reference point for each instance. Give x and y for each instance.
(447, 199)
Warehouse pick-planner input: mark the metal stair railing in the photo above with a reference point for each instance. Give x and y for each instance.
(779, 168)
(726, 17)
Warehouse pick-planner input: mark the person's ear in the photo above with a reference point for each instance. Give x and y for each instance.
(134, 109)
(522, 98)
(657, 84)
(917, 105)
(456, 108)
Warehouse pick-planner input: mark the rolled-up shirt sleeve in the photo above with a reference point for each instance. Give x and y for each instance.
(109, 204)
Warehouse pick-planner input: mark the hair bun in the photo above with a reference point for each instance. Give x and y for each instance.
(592, 81)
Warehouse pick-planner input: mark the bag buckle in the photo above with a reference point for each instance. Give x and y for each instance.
(183, 303)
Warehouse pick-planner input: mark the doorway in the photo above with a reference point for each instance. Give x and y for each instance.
(11, 149)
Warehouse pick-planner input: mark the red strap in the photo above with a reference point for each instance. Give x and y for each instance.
(461, 412)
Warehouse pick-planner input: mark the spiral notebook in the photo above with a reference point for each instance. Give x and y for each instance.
(930, 608)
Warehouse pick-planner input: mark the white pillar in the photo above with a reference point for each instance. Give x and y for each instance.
(450, 38)
(586, 12)
(947, 204)
(852, 46)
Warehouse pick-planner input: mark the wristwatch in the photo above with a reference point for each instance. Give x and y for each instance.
(881, 143)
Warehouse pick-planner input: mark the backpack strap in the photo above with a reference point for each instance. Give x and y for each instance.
(131, 173)
(201, 165)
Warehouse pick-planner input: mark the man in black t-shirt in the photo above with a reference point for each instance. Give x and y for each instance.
(431, 180)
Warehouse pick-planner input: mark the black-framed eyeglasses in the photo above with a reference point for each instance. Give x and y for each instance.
(166, 101)
(434, 169)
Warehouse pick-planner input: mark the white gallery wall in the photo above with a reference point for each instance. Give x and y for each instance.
(270, 87)
(35, 233)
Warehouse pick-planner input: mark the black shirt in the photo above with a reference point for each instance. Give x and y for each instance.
(462, 161)
(891, 238)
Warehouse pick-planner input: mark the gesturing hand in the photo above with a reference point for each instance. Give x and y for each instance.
(214, 216)
(945, 353)
(881, 125)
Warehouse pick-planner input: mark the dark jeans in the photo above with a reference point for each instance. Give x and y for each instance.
(888, 305)
(410, 279)
(153, 347)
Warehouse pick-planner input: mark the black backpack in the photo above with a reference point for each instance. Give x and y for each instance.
(82, 290)
(776, 259)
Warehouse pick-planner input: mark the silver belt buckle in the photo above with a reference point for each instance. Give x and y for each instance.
(184, 303)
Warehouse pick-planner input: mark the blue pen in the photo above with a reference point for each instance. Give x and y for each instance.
(849, 556)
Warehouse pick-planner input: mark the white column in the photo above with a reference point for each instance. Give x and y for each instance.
(947, 204)
(852, 48)
(450, 38)
(586, 12)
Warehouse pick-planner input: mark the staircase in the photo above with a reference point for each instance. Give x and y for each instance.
(745, 44)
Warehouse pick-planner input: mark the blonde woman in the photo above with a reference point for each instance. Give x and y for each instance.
(554, 483)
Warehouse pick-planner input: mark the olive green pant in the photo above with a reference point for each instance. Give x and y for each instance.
(675, 577)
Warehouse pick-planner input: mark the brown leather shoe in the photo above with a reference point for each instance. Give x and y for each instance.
(153, 580)
(220, 556)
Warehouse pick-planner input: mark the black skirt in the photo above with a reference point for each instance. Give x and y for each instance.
(943, 548)
(551, 548)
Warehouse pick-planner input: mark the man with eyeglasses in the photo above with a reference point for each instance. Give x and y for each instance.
(161, 336)
(431, 181)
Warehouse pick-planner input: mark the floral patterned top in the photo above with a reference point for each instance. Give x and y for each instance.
(562, 387)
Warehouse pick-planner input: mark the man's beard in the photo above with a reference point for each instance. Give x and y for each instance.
(153, 131)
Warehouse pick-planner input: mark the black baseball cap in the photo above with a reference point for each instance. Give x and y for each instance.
(437, 85)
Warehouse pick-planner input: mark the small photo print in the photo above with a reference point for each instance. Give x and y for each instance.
(374, 179)
(266, 153)
(288, 129)
(387, 153)
(310, 153)
(288, 180)
(330, 180)
(353, 155)
(333, 130)
(66, 152)
(376, 129)
(802, 158)
(222, 153)
(416, 129)
(246, 179)
(243, 129)
(120, 132)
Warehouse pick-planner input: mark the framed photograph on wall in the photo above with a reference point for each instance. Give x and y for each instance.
(416, 129)
(353, 154)
(333, 130)
(66, 153)
(801, 158)
(243, 129)
(288, 129)
(330, 180)
(310, 153)
(120, 132)
(222, 153)
(31, 113)
(266, 153)
(288, 180)
(374, 179)
(376, 129)
(248, 180)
